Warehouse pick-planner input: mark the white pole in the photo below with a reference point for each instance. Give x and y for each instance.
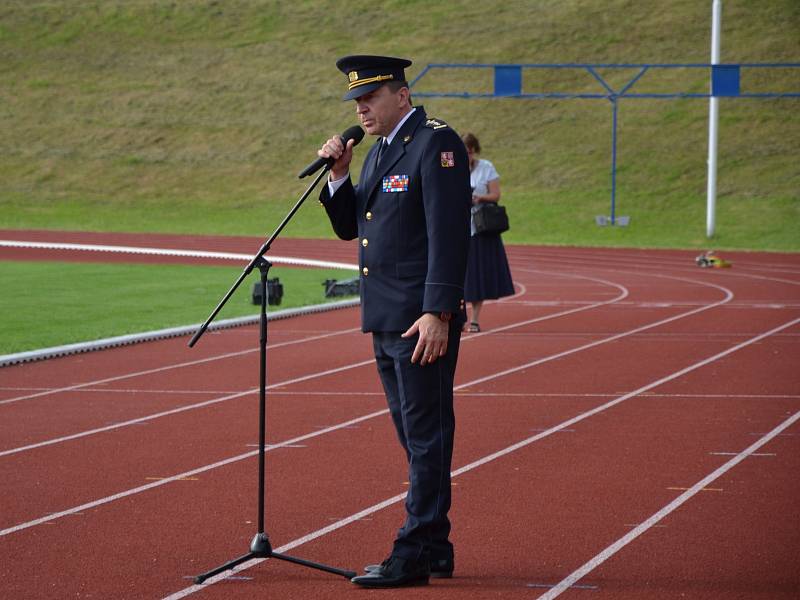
(713, 123)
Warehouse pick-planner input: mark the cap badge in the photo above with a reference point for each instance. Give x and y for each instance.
(353, 76)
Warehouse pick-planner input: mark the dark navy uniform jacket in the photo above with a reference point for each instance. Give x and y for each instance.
(411, 216)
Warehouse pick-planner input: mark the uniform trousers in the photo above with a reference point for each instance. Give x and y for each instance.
(420, 401)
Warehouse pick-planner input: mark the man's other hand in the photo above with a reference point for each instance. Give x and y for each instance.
(432, 342)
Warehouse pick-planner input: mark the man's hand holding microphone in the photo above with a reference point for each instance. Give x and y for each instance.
(336, 152)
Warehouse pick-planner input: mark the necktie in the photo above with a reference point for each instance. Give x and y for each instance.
(381, 149)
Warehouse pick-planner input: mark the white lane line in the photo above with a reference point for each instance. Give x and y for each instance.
(95, 503)
(658, 261)
(728, 297)
(384, 411)
(574, 587)
(623, 294)
(602, 395)
(461, 394)
(650, 304)
(241, 457)
(526, 442)
(788, 336)
(528, 365)
(637, 264)
(611, 550)
(139, 420)
(190, 363)
(534, 395)
(287, 260)
(307, 339)
(522, 291)
(735, 454)
(181, 409)
(102, 390)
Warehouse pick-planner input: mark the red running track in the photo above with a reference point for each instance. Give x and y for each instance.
(627, 428)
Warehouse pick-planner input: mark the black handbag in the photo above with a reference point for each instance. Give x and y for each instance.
(490, 218)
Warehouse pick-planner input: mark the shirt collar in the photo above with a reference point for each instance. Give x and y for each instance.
(390, 137)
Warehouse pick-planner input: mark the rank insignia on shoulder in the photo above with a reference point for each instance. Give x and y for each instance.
(448, 160)
(435, 124)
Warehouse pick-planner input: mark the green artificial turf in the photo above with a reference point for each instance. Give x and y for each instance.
(52, 303)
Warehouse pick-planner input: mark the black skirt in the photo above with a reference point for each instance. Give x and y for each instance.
(488, 275)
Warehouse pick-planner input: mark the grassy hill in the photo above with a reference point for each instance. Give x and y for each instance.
(196, 115)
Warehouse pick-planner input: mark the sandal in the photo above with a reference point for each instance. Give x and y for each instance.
(473, 327)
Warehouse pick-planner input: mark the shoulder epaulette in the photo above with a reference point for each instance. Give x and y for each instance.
(435, 124)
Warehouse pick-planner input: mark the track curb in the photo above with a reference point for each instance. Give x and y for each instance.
(161, 334)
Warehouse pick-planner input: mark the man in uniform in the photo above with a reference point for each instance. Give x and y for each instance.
(410, 213)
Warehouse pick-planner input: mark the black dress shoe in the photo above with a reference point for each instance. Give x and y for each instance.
(395, 572)
(440, 569)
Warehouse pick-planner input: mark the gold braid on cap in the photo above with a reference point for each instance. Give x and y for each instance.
(360, 82)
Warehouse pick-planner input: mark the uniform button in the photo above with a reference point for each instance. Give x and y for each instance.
(365, 242)
(369, 216)
(365, 271)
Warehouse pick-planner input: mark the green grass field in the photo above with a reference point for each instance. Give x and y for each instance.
(195, 116)
(52, 303)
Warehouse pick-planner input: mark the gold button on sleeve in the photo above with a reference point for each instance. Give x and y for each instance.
(365, 242)
(365, 271)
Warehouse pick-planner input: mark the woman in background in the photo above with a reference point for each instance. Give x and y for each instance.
(488, 276)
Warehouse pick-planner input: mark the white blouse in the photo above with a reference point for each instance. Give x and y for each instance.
(481, 175)
(479, 179)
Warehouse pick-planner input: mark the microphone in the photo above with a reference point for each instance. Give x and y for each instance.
(353, 133)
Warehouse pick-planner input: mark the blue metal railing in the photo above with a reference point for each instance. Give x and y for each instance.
(725, 81)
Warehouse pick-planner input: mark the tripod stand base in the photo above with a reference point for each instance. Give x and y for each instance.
(260, 547)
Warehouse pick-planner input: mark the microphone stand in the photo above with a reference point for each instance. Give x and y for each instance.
(260, 546)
